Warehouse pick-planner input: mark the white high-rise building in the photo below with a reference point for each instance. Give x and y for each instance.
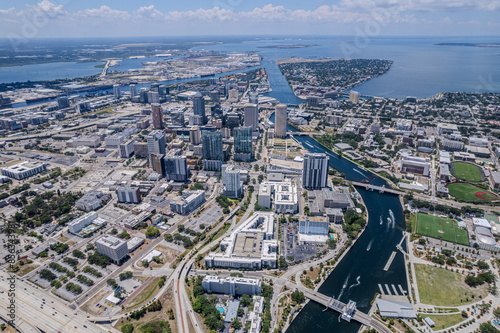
(156, 144)
(233, 186)
(252, 116)
(195, 135)
(115, 248)
(133, 92)
(116, 91)
(280, 117)
(315, 171)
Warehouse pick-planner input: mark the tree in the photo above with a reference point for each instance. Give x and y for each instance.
(180, 227)
(152, 232)
(245, 300)
(487, 328)
(235, 323)
(298, 297)
(127, 328)
(114, 231)
(169, 237)
(482, 265)
(496, 312)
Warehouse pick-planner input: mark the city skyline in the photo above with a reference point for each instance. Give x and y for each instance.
(235, 17)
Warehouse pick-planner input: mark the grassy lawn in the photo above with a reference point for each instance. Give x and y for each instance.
(441, 227)
(441, 287)
(444, 321)
(467, 171)
(470, 193)
(143, 296)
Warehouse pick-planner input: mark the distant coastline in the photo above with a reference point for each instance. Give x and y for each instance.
(470, 44)
(294, 46)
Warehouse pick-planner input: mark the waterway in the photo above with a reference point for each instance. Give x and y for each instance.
(357, 275)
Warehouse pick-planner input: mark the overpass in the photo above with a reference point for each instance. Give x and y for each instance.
(381, 189)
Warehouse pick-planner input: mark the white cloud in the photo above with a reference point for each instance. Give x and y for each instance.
(104, 12)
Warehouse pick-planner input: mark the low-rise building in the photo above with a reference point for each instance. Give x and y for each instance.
(90, 201)
(188, 202)
(81, 222)
(24, 170)
(495, 180)
(112, 247)
(251, 245)
(313, 229)
(412, 164)
(231, 285)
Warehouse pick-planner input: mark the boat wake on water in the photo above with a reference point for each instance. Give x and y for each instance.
(355, 284)
(361, 173)
(344, 286)
(369, 245)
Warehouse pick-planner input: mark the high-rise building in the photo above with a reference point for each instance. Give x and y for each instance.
(116, 91)
(128, 194)
(280, 120)
(215, 96)
(156, 144)
(195, 135)
(153, 97)
(127, 148)
(157, 115)
(212, 150)
(157, 163)
(354, 96)
(242, 144)
(233, 186)
(112, 247)
(176, 167)
(132, 90)
(195, 120)
(143, 95)
(252, 116)
(199, 106)
(315, 171)
(253, 98)
(63, 102)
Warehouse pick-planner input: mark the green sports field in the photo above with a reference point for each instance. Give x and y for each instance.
(470, 193)
(441, 227)
(467, 171)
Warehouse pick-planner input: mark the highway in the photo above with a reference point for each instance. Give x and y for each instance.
(53, 316)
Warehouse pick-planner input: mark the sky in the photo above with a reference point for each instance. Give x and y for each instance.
(112, 18)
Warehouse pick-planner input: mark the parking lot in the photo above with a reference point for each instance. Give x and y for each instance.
(294, 251)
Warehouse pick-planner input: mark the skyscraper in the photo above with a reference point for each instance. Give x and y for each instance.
(252, 116)
(199, 105)
(176, 167)
(195, 135)
(280, 120)
(315, 171)
(153, 97)
(212, 150)
(233, 186)
(116, 91)
(63, 102)
(242, 144)
(157, 163)
(157, 115)
(253, 98)
(156, 144)
(354, 96)
(132, 90)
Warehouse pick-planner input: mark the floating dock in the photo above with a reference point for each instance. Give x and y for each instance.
(389, 262)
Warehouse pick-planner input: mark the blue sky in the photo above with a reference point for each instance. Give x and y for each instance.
(76, 18)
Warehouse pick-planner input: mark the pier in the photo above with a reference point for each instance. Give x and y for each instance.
(389, 262)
